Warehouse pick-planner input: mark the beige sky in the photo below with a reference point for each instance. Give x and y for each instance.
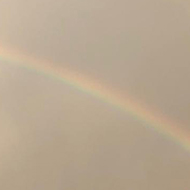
(53, 136)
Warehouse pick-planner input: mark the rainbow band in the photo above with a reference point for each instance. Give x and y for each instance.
(127, 104)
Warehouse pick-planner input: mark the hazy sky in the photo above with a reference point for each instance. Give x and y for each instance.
(52, 136)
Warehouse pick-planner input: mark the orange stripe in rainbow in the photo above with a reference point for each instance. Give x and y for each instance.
(129, 105)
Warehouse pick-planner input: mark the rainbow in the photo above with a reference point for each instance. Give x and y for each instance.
(127, 104)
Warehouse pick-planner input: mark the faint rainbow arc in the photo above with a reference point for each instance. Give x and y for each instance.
(127, 104)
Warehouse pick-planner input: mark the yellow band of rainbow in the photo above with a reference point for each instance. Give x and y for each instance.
(82, 83)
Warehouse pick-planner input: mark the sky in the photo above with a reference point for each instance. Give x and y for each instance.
(54, 135)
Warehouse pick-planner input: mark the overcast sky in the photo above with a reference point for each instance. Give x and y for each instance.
(53, 136)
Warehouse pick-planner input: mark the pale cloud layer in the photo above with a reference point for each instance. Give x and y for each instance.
(53, 136)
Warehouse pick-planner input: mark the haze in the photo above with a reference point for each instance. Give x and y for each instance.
(55, 137)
